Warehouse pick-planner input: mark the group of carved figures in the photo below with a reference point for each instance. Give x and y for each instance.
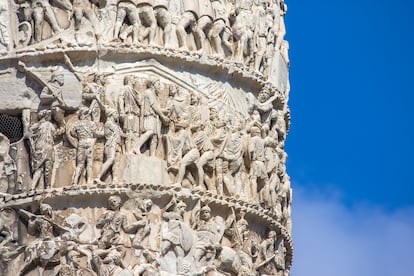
(142, 239)
(248, 31)
(204, 147)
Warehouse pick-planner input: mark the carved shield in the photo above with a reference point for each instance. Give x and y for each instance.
(187, 238)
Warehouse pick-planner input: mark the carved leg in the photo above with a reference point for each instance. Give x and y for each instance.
(38, 18)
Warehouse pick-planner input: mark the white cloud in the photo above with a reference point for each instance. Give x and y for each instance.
(331, 239)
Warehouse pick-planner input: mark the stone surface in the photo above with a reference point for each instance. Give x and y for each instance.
(144, 137)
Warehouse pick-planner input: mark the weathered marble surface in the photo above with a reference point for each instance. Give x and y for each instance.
(144, 137)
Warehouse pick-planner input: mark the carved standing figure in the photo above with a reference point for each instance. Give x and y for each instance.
(127, 9)
(7, 166)
(178, 238)
(129, 112)
(4, 27)
(220, 33)
(84, 9)
(41, 10)
(151, 114)
(42, 142)
(113, 135)
(243, 29)
(148, 22)
(52, 96)
(163, 20)
(84, 131)
(188, 20)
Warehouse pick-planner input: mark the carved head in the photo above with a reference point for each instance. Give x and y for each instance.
(46, 210)
(272, 235)
(147, 205)
(195, 99)
(180, 207)
(264, 95)
(58, 77)
(114, 203)
(205, 213)
(128, 80)
(173, 90)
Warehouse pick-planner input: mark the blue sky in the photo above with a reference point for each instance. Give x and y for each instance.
(351, 139)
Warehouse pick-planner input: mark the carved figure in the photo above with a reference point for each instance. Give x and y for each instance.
(129, 112)
(51, 95)
(127, 9)
(144, 224)
(109, 262)
(45, 248)
(84, 9)
(256, 151)
(243, 30)
(150, 266)
(204, 22)
(178, 238)
(163, 20)
(42, 143)
(148, 22)
(263, 26)
(220, 33)
(92, 97)
(151, 114)
(268, 253)
(111, 223)
(4, 27)
(7, 166)
(84, 131)
(188, 20)
(209, 234)
(182, 150)
(229, 162)
(113, 135)
(41, 10)
(206, 151)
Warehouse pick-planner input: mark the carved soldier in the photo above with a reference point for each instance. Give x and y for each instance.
(148, 22)
(178, 238)
(268, 253)
(45, 248)
(163, 20)
(41, 10)
(243, 29)
(206, 150)
(113, 135)
(256, 151)
(182, 150)
(150, 117)
(127, 9)
(92, 96)
(208, 238)
(111, 223)
(84, 9)
(129, 111)
(188, 20)
(52, 96)
(42, 142)
(261, 30)
(204, 22)
(7, 166)
(220, 33)
(84, 131)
